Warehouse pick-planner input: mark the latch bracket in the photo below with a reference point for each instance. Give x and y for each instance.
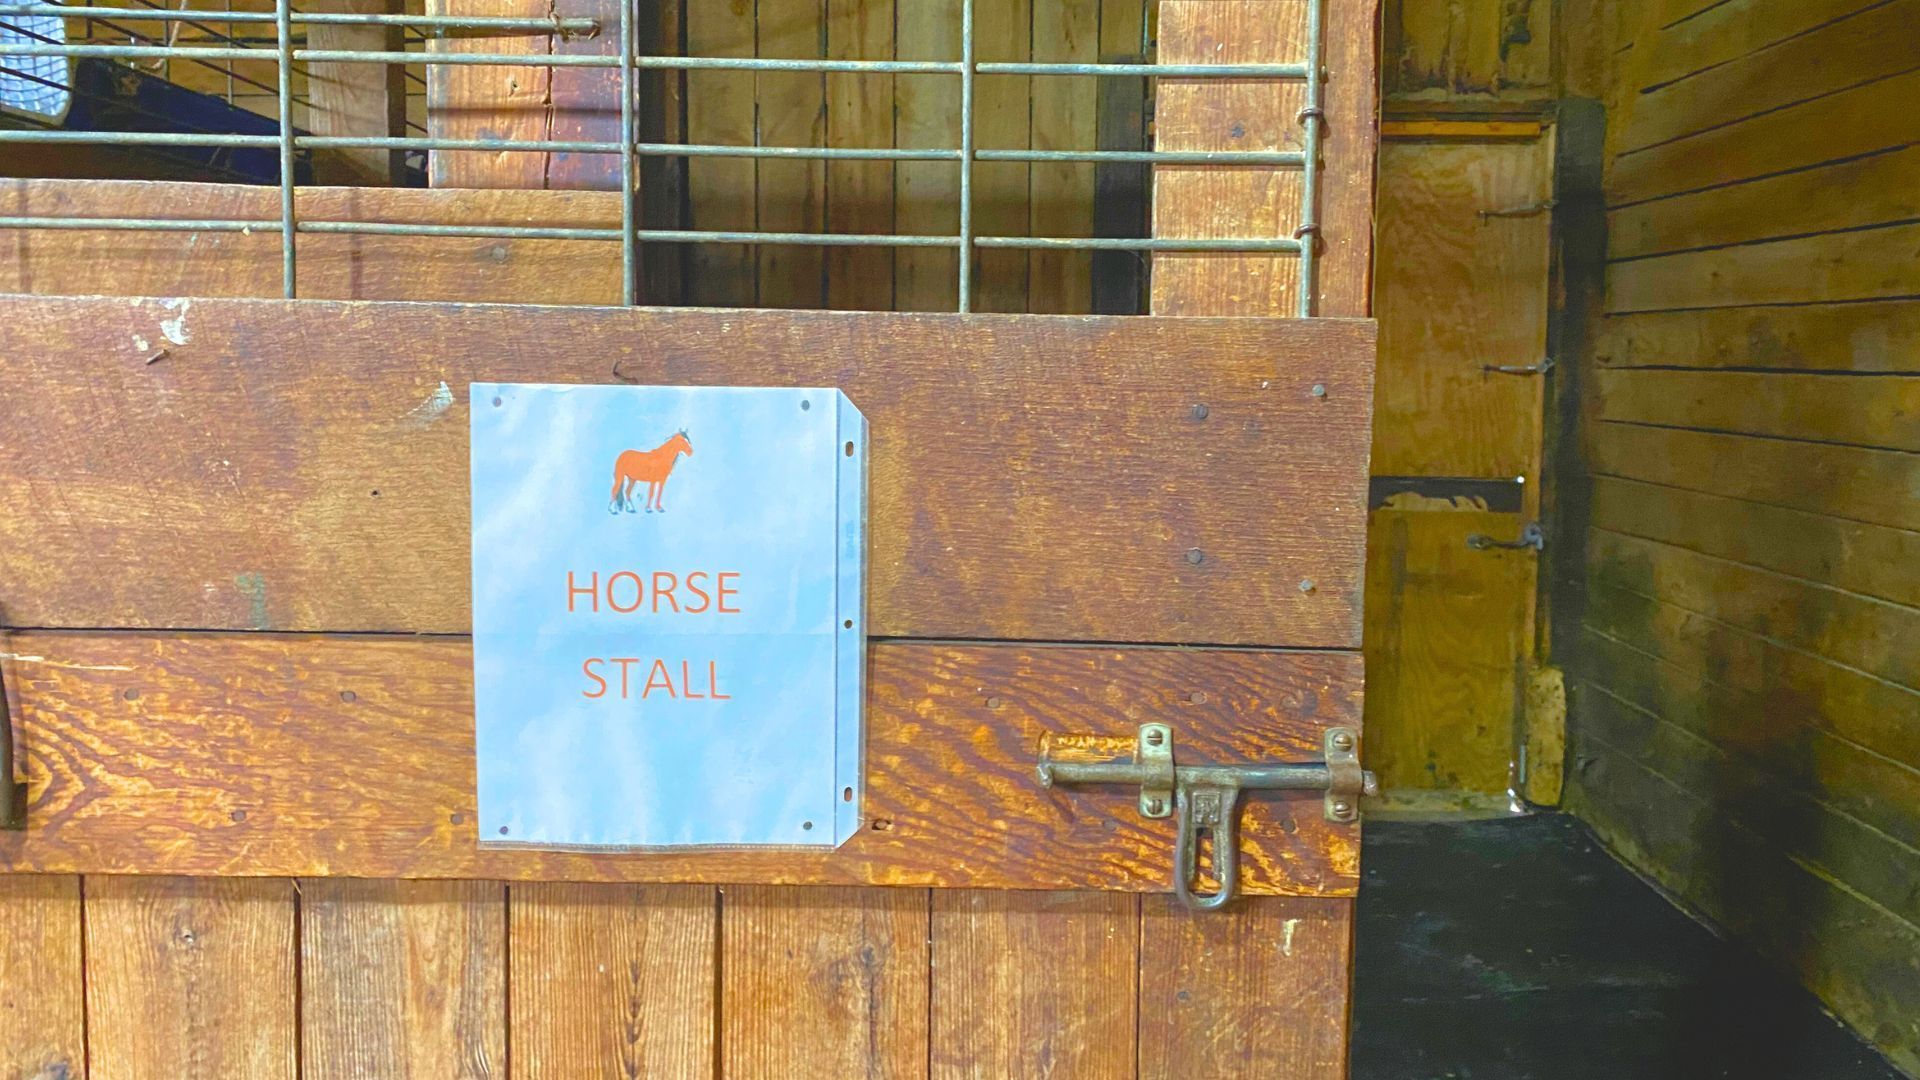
(1206, 798)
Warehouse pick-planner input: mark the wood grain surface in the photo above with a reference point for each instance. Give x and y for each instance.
(287, 467)
(191, 977)
(613, 980)
(402, 979)
(255, 754)
(42, 980)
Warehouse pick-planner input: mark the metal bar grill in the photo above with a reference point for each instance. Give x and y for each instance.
(284, 55)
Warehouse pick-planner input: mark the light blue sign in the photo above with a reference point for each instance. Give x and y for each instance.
(669, 635)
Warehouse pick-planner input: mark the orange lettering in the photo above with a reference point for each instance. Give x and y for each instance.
(587, 666)
(592, 591)
(625, 662)
(686, 683)
(665, 681)
(638, 591)
(713, 682)
(696, 590)
(666, 593)
(726, 592)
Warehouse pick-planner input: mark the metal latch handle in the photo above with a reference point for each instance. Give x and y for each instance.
(1206, 798)
(13, 795)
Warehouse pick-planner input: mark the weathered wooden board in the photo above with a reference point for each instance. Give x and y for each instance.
(860, 113)
(1877, 189)
(1881, 412)
(1873, 560)
(1718, 33)
(357, 99)
(1844, 481)
(613, 980)
(926, 194)
(330, 266)
(191, 977)
(1003, 109)
(1875, 336)
(288, 468)
(252, 754)
(1254, 991)
(42, 982)
(1858, 121)
(1064, 117)
(1870, 264)
(720, 191)
(403, 979)
(1000, 1004)
(1469, 52)
(790, 109)
(489, 101)
(823, 982)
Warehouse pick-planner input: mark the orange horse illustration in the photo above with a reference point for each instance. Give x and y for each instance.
(648, 467)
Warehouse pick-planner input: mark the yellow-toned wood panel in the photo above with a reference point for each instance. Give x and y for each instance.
(1468, 50)
(1064, 115)
(720, 191)
(860, 193)
(790, 109)
(926, 194)
(1871, 264)
(1874, 336)
(1447, 641)
(42, 1015)
(1003, 110)
(1460, 289)
(1717, 33)
(1882, 412)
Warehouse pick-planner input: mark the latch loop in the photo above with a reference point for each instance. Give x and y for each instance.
(1206, 798)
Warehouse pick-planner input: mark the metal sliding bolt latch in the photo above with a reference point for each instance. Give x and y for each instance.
(1206, 798)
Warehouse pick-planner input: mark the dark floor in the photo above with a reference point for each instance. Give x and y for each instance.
(1517, 948)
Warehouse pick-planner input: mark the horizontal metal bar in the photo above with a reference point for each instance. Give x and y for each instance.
(423, 22)
(1151, 157)
(140, 52)
(657, 236)
(1157, 243)
(1182, 71)
(134, 138)
(1288, 776)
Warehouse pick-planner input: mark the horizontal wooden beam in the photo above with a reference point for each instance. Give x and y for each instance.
(316, 756)
(303, 466)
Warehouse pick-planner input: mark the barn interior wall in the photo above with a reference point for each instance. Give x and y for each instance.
(1744, 585)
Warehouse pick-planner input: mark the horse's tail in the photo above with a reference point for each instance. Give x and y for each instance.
(617, 477)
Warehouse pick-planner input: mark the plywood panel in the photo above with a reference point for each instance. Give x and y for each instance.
(1034, 984)
(1844, 481)
(1447, 643)
(190, 977)
(613, 980)
(326, 490)
(1875, 336)
(1460, 290)
(1882, 412)
(359, 757)
(42, 983)
(823, 982)
(402, 979)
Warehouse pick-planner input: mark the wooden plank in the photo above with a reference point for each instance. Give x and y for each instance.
(1257, 990)
(42, 983)
(1876, 336)
(330, 266)
(1858, 631)
(1872, 713)
(613, 980)
(1881, 188)
(1122, 196)
(1343, 283)
(1207, 201)
(1446, 641)
(1857, 956)
(661, 114)
(720, 191)
(1845, 124)
(1869, 559)
(826, 982)
(360, 753)
(1874, 802)
(402, 979)
(368, 529)
(1881, 412)
(1034, 984)
(1869, 264)
(790, 109)
(1725, 32)
(1459, 290)
(488, 101)
(1436, 128)
(1064, 113)
(926, 195)
(1478, 51)
(357, 99)
(860, 193)
(1876, 42)
(1003, 108)
(190, 977)
(583, 103)
(1842, 481)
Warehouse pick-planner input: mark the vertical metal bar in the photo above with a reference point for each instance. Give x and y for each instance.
(629, 135)
(966, 155)
(12, 812)
(283, 29)
(1309, 230)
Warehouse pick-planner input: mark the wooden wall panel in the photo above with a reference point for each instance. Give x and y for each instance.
(1477, 53)
(42, 981)
(926, 195)
(487, 101)
(613, 980)
(403, 979)
(1744, 699)
(790, 109)
(1064, 112)
(860, 112)
(720, 191)
(1034, 984)
(824, 982)
(357, 99)
(1002, 119)
(190, 977)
